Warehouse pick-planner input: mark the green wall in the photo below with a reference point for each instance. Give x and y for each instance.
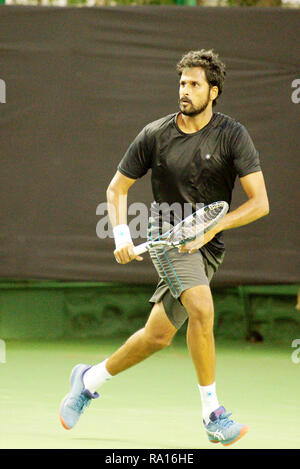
(54, 310)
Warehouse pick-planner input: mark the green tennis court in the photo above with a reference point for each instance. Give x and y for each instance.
(109, 129)
(153, 405)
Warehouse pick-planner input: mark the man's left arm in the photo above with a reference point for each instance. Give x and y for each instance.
(255, 207)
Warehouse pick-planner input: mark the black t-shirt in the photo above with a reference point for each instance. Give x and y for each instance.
(194, 168)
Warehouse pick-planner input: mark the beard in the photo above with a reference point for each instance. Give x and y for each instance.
(191, 110)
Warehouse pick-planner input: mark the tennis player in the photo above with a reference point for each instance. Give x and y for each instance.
(195, 156)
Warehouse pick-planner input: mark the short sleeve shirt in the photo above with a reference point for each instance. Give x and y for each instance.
(195, 168)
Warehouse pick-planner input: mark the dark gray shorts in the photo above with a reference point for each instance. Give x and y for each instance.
(178, 272)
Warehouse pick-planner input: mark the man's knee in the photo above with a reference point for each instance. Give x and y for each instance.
(156, 340)
(199, 305)
(159, 331)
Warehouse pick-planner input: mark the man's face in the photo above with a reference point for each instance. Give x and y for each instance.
(194, 91)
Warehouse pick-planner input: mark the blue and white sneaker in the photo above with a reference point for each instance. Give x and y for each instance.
(221, 429)
(77, 400)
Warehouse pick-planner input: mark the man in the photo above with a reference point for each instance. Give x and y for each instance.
(195, 156)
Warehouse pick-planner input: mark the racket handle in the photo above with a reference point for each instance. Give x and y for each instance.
(140, 249)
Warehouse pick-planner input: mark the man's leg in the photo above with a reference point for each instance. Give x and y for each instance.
(85, 380)
(200, 339)
(156, 335)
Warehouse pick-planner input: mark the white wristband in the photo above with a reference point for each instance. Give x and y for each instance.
(122, 234)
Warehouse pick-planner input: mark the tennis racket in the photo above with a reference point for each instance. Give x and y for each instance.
(190, 228)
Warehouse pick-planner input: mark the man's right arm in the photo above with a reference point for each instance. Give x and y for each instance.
(117, 211)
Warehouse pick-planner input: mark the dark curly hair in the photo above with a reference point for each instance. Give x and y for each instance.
(215, 69)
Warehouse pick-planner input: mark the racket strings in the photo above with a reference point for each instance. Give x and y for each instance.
(196, 224)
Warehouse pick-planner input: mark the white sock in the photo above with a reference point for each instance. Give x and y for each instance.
(96, 376)
(209, 400)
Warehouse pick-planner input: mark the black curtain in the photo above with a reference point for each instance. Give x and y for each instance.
(81, 83)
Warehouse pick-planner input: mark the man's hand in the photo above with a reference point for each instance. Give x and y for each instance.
(193, 246)
(124, 254)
